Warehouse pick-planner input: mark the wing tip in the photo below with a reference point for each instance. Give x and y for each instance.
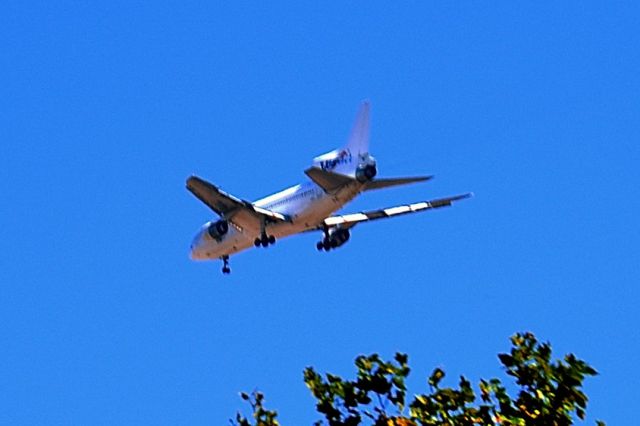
(463, 196)
(195, 184)
(190, 180)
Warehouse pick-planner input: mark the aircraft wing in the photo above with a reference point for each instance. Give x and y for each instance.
(350, 220)
(240, 212)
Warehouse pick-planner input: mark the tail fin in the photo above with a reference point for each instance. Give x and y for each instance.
(345, 160)
(358, 142)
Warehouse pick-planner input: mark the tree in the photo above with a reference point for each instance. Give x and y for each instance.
(549, 393)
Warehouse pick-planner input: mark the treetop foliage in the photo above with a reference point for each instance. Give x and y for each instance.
(549, 393)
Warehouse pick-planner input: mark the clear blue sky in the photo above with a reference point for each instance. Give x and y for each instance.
(105, 109)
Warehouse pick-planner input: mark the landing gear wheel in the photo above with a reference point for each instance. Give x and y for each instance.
(320, 246)
(264, 240)
(326, 244)
(225, 265)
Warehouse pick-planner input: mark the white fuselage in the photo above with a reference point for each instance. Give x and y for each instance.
(307, 205)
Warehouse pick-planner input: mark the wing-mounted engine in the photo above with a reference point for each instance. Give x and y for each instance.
(334, 237)
(217, 230)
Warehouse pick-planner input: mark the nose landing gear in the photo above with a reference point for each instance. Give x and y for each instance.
(225, 265)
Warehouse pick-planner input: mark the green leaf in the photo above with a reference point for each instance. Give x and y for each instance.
(436, 377)
(401, 358)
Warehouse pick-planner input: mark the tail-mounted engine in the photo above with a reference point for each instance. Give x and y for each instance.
(334, 237)
(364, 173)
(367, 169)
(217, 230)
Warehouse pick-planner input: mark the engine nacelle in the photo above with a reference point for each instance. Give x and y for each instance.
(338, 237)
(217, 230)
(366, 172)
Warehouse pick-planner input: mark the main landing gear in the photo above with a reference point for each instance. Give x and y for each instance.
(326, 244)
(225, 265)
(264, 240)
(333, 238)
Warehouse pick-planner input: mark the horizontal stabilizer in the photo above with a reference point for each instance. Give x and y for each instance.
(329, 181)
(386, 183)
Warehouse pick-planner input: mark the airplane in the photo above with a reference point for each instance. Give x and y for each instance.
(335, 178)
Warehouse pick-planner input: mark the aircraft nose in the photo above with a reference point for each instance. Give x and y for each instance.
(196, 244)
(193, 254)
(193, 248)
